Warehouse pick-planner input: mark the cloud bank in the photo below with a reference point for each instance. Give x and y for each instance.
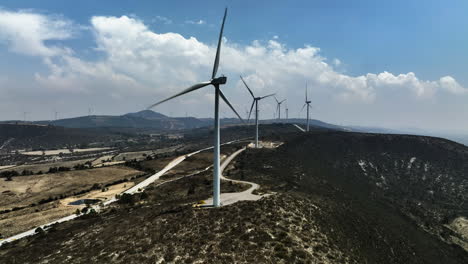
(135, 61)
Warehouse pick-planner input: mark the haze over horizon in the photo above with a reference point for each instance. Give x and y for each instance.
(391, 65)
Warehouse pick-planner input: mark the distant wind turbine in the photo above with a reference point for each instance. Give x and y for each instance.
(307, 103)
(216, 82)
(247, 115)
(255, 102)
(278, 107)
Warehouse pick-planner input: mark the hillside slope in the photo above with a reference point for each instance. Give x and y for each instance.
(42, 136)
(324, 208)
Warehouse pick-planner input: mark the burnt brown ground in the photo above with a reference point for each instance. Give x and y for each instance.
(316, 216)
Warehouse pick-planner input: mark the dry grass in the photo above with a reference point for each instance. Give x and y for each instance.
(19, 221)
(44, 167)
(58, 151)
(26, 190)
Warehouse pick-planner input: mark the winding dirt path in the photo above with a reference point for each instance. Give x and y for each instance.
(230, 198)
(137, 188)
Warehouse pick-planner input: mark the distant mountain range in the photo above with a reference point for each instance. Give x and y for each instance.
(150, 121)
(154, 120)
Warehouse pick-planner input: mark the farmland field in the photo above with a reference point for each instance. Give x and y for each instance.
(58, 151)
(22, 220)
(26, 190)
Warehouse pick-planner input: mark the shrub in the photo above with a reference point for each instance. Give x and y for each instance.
(52, 170)
(39, 230)
(63, 169)
(126, 199)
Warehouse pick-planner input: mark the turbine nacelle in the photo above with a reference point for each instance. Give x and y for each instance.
(219, 80)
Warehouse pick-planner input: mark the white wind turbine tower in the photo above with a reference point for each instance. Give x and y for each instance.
(287, 110)
(278, 107)
(255, 102)
(307, 102)
(216, 82)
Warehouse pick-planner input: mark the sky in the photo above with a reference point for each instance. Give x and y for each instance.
(395, 64)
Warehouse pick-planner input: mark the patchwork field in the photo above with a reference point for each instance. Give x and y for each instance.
(22, 220)
(58, 151)
(44, 167)
(27, 190)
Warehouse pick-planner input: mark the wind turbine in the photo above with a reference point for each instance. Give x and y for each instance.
(255, 102)
(216, 82)
(287, 117)
(247, 115)
(278, 107)
(307, 102)
(24, 116)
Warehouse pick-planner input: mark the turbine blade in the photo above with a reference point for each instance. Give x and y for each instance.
(250, 91)
(251, 108)
(282, 101)
(303, 107)
(266, 96)
(276, 100)
(218, 50)
(188, 90)
(229, 104)
(306, 92)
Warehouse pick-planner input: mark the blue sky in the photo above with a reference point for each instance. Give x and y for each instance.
(427, 38)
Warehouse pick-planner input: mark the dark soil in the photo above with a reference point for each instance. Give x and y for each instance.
(325, 209)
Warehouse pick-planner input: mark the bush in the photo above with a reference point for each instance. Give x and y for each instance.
(79, 167)
(92, 211)
(8, 175)
(63, 169)
(126, 199)
(52, 170)
(39, 230)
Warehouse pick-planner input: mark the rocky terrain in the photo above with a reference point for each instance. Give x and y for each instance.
(334, 198)
(425, 178)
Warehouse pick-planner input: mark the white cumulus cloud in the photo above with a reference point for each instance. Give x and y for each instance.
(26, 32)
(135, 61)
